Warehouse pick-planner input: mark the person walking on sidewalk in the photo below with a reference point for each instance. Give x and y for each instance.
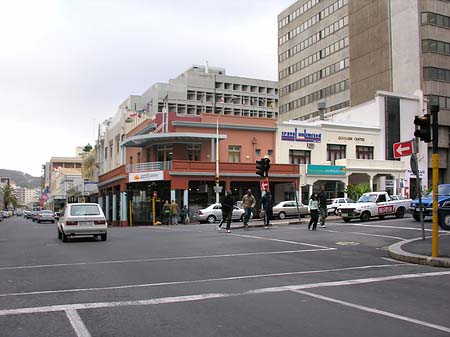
(248, 202)
(323, 211)
(174, 213)
(313, 211)
(227, 210)
(267, 206)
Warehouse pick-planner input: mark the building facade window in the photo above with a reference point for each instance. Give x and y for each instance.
(164, 152)
(436, 74)
(316, 57)
(335, 152)
(193, 151)
(258, 152)
(435, 20)
(299, 157)
(315, 96)
(364, 152)
(312, 21)
(234, 154)
(434, 46)
(442, 101)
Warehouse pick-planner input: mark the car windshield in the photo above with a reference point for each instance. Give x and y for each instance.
(442, 190)
(77, 210)
(368, 198)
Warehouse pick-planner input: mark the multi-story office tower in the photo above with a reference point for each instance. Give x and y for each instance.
(340, 52)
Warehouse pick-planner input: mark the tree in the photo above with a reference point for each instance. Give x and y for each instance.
(9, 198)
(356, 191)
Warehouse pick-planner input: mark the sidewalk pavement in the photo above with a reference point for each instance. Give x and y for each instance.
(418, 251)
(415, 251)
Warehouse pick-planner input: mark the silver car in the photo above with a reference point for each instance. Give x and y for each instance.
(45, 215)
(289, 208)
(82, 219)
(213, 213)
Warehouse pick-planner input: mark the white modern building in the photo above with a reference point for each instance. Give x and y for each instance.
(354, 146)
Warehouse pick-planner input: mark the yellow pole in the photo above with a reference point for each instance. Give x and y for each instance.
(434, 241)
(131, 214)
(153, 210)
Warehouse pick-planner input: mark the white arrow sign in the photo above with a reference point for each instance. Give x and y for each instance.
(403, 149)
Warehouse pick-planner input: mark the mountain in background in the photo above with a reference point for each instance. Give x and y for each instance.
(22, 179)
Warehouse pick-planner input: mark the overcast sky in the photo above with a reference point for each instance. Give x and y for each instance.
(66, 65)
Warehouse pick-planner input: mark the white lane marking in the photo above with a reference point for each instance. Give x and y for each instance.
(395, 261)
(230, 278)
(375, 311)
(77, 323)
(367, 234)
(279, 240)
(162, 259)
(199, 297)
(380, 226)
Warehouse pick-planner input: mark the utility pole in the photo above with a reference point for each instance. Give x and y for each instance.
(435, 164)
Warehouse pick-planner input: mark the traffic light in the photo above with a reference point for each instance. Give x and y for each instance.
(260, 167)
(266, 166)
(263, 167)
(424, 130)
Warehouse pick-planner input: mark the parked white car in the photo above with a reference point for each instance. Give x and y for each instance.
(213, 213)
(333, 204)
(82, 219)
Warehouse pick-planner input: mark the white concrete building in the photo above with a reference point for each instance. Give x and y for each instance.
(354, 146)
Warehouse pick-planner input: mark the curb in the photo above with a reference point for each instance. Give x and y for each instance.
(395, 251)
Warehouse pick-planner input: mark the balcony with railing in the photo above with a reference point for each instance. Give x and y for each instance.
(149, 166)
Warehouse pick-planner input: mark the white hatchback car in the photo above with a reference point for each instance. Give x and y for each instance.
(82, 219)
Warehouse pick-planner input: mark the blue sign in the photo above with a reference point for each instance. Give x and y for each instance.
(298, 136)
(326, 170)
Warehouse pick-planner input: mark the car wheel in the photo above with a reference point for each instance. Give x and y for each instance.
(416, 217)
(65, 238)
(444, 222)
(400, 213)
(365, 216)
(282, 215)
(211, 219)
(103, 237)
(346, 219)
(241, 219)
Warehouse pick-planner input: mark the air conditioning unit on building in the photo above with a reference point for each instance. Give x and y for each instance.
(310, 145)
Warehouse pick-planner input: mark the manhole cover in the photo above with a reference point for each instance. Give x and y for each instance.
(347, 243)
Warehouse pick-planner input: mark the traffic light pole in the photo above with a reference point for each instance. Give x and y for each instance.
(435, 164)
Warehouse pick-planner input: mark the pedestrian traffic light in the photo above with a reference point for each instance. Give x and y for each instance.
(424, 127)
(260, 167)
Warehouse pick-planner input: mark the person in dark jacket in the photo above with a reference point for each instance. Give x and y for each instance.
(323, 211)
(267, 205)
(227, 210)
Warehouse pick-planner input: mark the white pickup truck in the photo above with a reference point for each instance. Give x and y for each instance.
(374, 204)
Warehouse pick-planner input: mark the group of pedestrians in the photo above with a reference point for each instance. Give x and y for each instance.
(318, 209)
(171, 214)
(248, 203)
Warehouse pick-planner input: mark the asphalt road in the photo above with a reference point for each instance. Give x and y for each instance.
(192, 280)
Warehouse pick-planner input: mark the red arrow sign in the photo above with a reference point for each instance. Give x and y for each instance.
(264, 184)
(403, 149)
